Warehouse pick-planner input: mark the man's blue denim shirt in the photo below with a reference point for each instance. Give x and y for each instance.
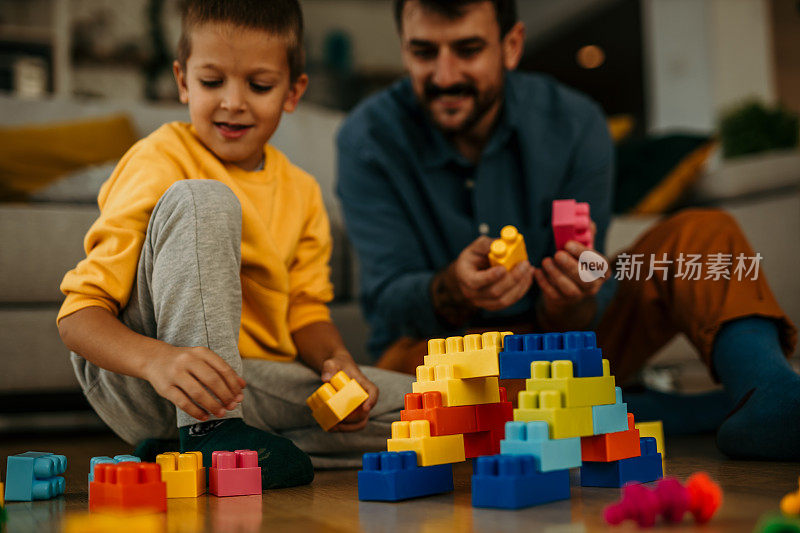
(412, 203)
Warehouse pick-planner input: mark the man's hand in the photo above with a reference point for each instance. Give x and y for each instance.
(567, 302)
(196, 380)
(342, 360)
(488, 287)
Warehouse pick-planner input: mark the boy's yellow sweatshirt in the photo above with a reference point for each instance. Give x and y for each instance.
(286, 241)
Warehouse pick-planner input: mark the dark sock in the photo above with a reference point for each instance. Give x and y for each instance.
(681, 414)
(149, 448)
(765, 424)
(282, 463)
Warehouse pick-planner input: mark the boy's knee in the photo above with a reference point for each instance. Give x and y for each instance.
(202, 195)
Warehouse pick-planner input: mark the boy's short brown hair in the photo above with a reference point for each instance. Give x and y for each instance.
(278, 17)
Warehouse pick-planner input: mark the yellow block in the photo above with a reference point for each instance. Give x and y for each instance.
(332, 402)
(509, 249)
(564, 422)
(471, 391)
(119, 522)
(576, 392)
(790, 504)
(183, 473)
(415, 436)
(471, 356)
(653, 429)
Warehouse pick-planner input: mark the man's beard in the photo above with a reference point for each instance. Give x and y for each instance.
(483, 104)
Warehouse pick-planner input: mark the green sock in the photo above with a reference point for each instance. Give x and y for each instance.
(282, 463)
(149, 448)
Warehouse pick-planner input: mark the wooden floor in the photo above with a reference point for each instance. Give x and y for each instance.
(331, 502)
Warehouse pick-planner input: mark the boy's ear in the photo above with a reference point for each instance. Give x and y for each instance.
(295, 93)
(180, 80)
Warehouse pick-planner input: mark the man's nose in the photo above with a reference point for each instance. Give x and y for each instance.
(233, 98)
(447, 70)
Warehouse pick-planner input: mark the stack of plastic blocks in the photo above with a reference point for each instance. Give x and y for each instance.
(183, 473)
(34, 476)
(332, 402)
(395, 476)
(580, 347)
(571, 222)
(554, 395)
(509, 250)
(234, 473)
(513, 482)
(127, 486)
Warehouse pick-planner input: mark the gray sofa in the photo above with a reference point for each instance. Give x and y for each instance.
(39, 241)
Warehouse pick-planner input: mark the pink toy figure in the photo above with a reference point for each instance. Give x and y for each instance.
(701, 496)
(234, 473)
(571, 223)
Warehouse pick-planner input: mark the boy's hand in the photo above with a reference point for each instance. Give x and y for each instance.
(342, 360)
(196, 380)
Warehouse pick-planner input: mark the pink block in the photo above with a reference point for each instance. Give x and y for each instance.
(234, 473)
(571, 223)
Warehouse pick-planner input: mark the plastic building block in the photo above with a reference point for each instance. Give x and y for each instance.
(481, 443)
(610, 418)
(34, 476)
(576, 392)
(471, 356)
(127, 486)
(395, 476)
(653, 429)
(444, 420)
(641, 469)
(471, 391)
(580, 347)
(2, 498)
(121, 522)
(790, 504)
(509, 249)
(493, 416)
(532, 438)
(571, 222)
(512, 482)
(234, 473)
(669, 499)
(612, 446)
(183, 473)
(332, 402)
(415, 436)
(110, 460)
(548, 406)
(776, 523)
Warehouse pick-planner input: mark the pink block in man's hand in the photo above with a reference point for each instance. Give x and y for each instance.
(234, 473)
(571, 222)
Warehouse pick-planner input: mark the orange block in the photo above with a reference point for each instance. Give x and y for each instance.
(612, 446)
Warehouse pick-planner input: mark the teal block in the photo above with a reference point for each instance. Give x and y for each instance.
(105, 459)
(34, 476)
(532, 438)
(610, 418)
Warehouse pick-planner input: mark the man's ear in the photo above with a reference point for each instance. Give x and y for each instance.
(513, 46)
(180, 80)
(296, 91)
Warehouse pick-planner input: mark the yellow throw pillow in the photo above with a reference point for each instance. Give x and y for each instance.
(33, 156)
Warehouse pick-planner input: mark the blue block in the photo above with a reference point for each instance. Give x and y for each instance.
(641, 469)
(512, 482)
(34, 476)
(580, 347)
(395, 476)
(105, 459)
(610, 418)
(532, 438)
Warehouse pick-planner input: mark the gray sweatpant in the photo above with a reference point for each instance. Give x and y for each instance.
(188, 293)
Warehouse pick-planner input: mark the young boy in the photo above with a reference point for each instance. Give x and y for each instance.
(207, 270)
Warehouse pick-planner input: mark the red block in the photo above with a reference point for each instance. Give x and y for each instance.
(481, 443)
(234, 473)
(128, 486)
(571, 223)
(493, 416)
(444, 420)
(612, 446)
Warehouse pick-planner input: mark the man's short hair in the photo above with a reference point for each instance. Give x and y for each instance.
(283, 18)
(506, 11)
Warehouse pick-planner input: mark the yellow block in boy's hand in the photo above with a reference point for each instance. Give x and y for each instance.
(509, 250)
(332, 402)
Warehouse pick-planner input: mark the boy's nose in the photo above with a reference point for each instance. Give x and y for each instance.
(233, 99)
